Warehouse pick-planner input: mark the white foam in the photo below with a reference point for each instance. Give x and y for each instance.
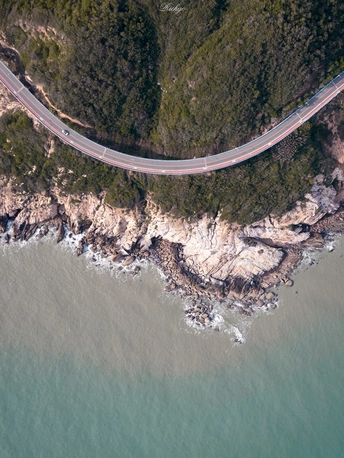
(230, 322)
(239, 336)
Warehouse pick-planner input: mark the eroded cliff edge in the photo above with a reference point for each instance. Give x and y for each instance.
(202, 257)
(205, 258)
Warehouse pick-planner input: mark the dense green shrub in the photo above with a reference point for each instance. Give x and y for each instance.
(98, 60)
(243, 194)
(24, 156)
(224, 68)
(184, 85)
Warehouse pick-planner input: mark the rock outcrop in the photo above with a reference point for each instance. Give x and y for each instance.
(203, 258)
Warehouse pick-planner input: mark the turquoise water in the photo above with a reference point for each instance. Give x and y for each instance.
(94, 366)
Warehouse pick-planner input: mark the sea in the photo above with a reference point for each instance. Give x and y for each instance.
(96, 362)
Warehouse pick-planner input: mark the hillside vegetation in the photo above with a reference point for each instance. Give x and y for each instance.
(252, 66)
(187, 84)
(243, 194)
(184, 85)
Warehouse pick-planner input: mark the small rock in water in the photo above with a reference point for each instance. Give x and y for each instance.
(170, 287)
(136, 270)
(289, 282)
(128, 261)
(80, 247)
(117, 257)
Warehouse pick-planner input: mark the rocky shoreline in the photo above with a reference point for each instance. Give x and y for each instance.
(205, 260)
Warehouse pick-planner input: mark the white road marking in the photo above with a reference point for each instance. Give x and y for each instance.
(318, 101)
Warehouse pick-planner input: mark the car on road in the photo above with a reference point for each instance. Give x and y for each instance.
(65, 132)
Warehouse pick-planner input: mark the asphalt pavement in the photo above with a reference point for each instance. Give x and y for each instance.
(170, 167)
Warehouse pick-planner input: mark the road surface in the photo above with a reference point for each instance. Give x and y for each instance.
(170, 167)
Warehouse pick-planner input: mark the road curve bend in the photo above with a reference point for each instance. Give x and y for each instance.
(170, 167)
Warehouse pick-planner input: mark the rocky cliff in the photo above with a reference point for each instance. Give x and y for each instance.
(204, 258)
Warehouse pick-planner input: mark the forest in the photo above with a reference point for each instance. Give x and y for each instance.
(183, 85)
(270, 183)
(154, 82)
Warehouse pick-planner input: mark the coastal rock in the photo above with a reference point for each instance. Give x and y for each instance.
(117, 257)
(80, 248)
(319, 202)
(170, 287)
(210, 248)
(204, 257)
(129, 260)
(3, 223)
(60, 231)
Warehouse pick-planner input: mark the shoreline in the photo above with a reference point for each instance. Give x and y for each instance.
(201, 306)
(228, 321)
(204, 260)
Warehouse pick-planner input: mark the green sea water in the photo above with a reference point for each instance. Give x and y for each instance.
(97, 366)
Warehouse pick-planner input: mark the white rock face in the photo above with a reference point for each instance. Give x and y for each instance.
(319, 202)
(112, 222)
(212, 248)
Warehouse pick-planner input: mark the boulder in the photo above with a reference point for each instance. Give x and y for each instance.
(129, 260)
(3, 223)
(117, 258)
(80, 248)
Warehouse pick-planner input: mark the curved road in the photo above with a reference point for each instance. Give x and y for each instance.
(170, 167)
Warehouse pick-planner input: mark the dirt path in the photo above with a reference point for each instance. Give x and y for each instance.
(39, 87)
(59, 112)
